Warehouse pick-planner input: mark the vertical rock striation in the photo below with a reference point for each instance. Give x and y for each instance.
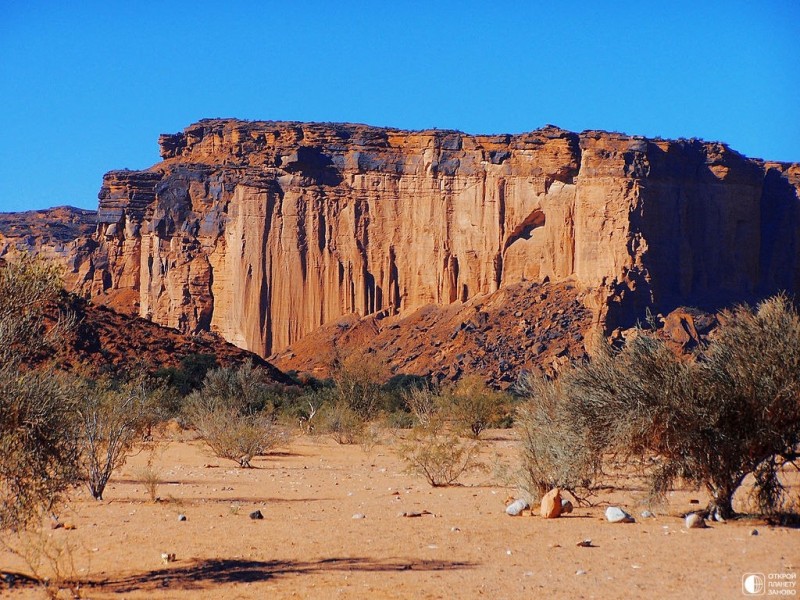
(264, 231)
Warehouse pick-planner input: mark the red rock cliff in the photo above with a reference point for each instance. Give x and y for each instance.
(263, 231)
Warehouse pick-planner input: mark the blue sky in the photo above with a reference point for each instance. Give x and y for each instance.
(86, 87)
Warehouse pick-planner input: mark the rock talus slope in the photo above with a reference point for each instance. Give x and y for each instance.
(264, 231)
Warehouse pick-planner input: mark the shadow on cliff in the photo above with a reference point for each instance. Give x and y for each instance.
(199, 574)
(313, 163)
(708, 245)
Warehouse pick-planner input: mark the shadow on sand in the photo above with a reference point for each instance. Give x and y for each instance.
(199, 574)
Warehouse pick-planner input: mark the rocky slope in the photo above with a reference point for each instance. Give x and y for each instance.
(105, 340)
(265, 231)
(526, 325)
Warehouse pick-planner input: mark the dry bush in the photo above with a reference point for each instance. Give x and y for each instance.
(439, 455)
(51, 561)
(247, 387)
(370, 437)
(731, 411)
(555, 452)
(424, 402)
(236, 436)
(149, 475)
(750, 379)
(358, 379)
(474, 406)
(342, 423)
(38, 447)
(29, 288)
(111, 418)
(233, 413)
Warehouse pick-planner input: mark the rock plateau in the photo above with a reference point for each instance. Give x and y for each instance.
(266, 231)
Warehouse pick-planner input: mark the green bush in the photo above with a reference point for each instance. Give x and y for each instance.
(38, 441)
(440, 456)
(474, 406)
(234, 413)
(713, 419)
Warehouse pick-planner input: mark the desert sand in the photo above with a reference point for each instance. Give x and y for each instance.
(463, 545)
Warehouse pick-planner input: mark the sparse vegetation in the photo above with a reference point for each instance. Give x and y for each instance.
(712, 419)
(233, 412)
(111, 419)
(439, 455)
(38, 443)
(424, 402)
(236, 436)
(474, 406)
(555, 452)
(343, 423)
(358, 379)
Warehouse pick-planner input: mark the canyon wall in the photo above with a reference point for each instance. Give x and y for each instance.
(264, 231)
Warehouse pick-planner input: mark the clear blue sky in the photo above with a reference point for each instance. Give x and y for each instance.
(86, 86)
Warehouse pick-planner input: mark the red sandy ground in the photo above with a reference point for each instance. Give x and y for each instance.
(309, 546)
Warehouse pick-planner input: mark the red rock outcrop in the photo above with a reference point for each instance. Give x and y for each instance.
(105, 340)
(525, 325)
(264, 231)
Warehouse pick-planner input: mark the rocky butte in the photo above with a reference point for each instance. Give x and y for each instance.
(265, 231)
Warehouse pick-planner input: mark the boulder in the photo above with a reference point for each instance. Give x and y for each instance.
(516, 507)
(695, 521)
(551, 504)
(614, 514)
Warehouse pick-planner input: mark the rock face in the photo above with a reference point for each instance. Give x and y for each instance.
(264, 231)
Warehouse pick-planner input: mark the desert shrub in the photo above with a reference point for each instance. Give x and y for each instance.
(400, 420)
(111, 419)
(38, 443)
(358, 379)
(556, 452)
(236, 436)
(51, 560)
(474, 406)
(731, 411)
(234, 413)
(307, 408)
(439, 455)
(247, 386)
(424, 402)
(342, 423)
(29, 289)
(750, 382)
(149, 474)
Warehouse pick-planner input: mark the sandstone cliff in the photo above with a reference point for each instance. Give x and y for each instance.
(264, 231)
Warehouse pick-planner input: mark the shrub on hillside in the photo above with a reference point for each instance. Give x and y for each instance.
(38, 442)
